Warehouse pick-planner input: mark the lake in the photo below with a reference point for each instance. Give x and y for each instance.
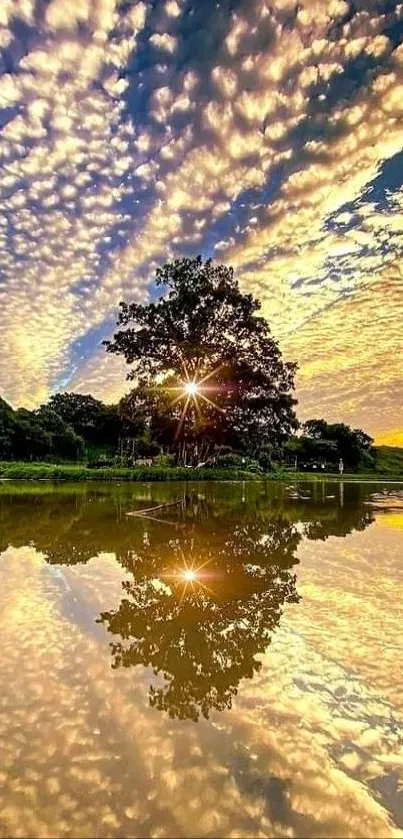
(230, 665)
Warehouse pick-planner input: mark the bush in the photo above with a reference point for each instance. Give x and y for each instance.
(238, 461)
(265, 459)
(165, 460)
(102, 462)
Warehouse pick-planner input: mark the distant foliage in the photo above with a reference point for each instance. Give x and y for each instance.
(322, 442)
(96, 423)
(37, 435)
(238, 461)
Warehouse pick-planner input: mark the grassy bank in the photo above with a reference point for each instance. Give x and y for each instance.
(389, 460)
(80, 472)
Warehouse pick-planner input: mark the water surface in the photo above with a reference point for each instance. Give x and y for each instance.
(228, 666)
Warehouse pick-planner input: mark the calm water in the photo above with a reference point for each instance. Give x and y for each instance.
(230, 666)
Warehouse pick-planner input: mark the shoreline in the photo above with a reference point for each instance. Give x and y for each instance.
(13, 471)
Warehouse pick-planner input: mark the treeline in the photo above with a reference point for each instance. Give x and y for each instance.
(76, 427)
(321, 443)
(68, 427)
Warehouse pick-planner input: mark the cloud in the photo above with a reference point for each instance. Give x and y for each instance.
(263, 146)
(61, 14)
(164, 42)
(102, 375)
(64, 156)
(351, 358)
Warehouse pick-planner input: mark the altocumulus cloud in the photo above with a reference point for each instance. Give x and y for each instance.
(266, 134)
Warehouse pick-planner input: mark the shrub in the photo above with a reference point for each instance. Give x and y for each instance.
(165, 460)
(238, 461)
(102, 462)
(265, 459)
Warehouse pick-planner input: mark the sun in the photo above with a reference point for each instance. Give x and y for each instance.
(191, 388)
(189, 575)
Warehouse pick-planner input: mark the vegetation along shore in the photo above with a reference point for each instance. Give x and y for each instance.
(389, 467)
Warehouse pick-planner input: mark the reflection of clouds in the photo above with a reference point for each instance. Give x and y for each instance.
(330, 767)
(305, 746)
(352, 609)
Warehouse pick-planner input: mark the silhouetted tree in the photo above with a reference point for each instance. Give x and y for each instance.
(205, 330)
(33, 435)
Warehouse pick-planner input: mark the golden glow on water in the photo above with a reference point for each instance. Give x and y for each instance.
(309, 743)
(392, 521)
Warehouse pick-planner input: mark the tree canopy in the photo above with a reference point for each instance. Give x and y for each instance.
(64, 428)
(34, 435)
(205, 332)
(91, 419)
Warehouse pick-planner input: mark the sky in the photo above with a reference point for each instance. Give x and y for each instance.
(267, 134)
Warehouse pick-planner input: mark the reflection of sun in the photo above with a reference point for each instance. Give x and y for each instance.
(190, 579)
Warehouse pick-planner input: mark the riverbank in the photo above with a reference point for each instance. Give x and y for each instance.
(78, 472)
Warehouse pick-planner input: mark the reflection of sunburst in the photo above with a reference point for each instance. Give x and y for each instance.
(192, 389)
(190, 577)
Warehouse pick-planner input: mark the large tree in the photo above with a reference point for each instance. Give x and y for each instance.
(207, 369)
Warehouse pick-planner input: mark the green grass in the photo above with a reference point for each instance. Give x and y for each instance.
(389, 467)
(79, 472)
(389, 460)
(333, 476)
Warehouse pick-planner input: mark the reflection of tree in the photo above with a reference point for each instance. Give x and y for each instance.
(69, 527)
(204, 637)
(71, 524)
